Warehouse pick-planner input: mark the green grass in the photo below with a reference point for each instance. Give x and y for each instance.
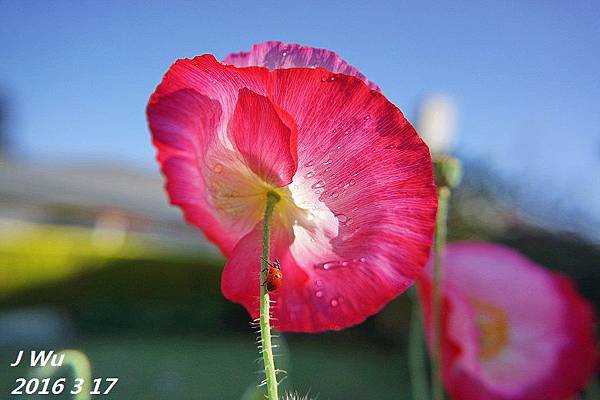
(224, 368)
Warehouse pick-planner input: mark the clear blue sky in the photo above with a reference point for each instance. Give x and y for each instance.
(525, 75)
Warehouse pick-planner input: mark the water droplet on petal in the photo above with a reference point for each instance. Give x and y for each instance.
(367, 117)
(327, 162)
(332, 78)
(319, 293)
(310, 163)
(352, 182)
(334, 302)
(391, 146)
(362, 259)
(328, 266)
(284, 54)
(319, 282)
(323, 79)
(342, 218)
(309, 174)
(350, 221)
(333, 195)
(318, 185)
(218, 168)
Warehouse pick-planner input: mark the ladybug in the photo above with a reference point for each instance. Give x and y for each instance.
(274, 276)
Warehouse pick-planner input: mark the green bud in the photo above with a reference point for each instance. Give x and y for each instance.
(448, 171)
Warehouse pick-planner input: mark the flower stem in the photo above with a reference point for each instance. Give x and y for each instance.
(80, 366)
(416, 352)
(438, 249)
(265, 326)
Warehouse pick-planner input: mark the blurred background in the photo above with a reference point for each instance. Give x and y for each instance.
(93, 258)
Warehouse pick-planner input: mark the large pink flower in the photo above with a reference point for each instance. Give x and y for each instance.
(512, 330)
(354, 226)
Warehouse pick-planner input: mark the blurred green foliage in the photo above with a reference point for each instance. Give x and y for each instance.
(222, 368)
(156, 318)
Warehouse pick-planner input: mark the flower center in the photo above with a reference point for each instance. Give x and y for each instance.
(238, 194)
(492, 322)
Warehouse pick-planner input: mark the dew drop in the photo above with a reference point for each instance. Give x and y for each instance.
(367, 117)
(333, 195)
(284, 54)
(318, 185)
(323, 79)
(391, 146)
(218, 168)
(352, 182)
(327, 169)
(342, 218)
(319, 293)
(345, 263)
(329, 265)
(327, 162)
(319, 282)
(362, 259)
(334, 302)
(332, 78)
(310, 163)
(309, 174)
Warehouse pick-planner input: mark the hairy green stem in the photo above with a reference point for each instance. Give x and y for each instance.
(438, 249)
(80, 366)
(265, 326)
(416, 352)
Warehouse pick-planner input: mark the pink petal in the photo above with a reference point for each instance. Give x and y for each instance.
(188, 115)
(241, 277)
(213, 79)
(266, 143)
(275, 55)
(183, 123)
(361, 159)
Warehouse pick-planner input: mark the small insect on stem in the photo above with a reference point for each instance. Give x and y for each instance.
(274, 275)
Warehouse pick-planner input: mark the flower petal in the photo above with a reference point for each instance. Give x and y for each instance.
(266, 143)
(188, 115)
(275, 55)
(183, 124)
(361, 161)
(240, 281)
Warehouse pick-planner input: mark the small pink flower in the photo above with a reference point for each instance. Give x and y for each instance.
(354, 226)
(511, 329)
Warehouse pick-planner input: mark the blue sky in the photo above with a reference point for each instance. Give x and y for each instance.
(525, 75)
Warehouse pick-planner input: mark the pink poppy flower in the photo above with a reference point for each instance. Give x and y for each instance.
(354, 225)
(511, 329)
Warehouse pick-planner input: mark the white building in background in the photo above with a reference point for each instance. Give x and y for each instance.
(103, 197)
